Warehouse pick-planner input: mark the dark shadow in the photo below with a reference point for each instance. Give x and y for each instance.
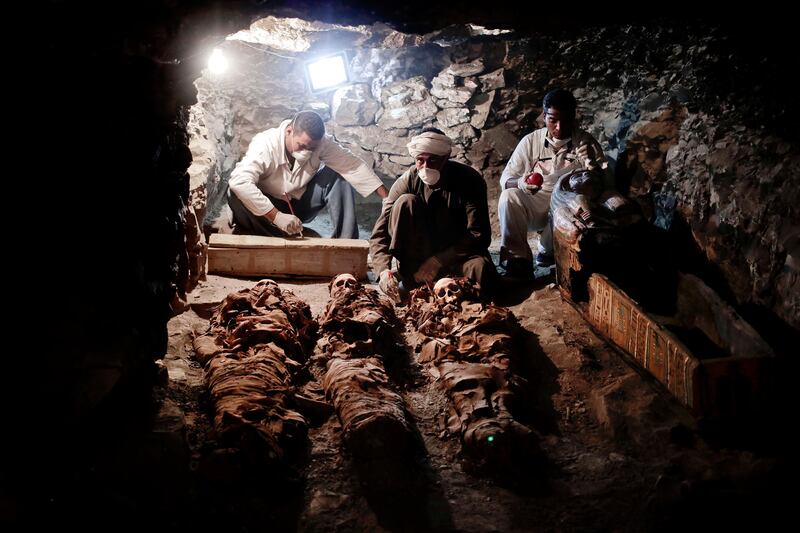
(690, 259)
(125, 468)
(402, 367)
(765, 428)
(404, 490)
(542, 377)
(511, 291)
(762, 500)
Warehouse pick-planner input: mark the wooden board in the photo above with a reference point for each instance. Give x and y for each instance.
(252, 255)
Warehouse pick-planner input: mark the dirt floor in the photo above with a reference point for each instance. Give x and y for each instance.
(617, 452)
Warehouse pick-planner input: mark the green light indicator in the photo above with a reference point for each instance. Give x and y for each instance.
(490, 438)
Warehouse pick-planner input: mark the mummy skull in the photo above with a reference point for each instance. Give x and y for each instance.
(447, 291)
(343, 282)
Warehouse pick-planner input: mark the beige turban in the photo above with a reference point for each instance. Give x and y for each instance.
(430, 143)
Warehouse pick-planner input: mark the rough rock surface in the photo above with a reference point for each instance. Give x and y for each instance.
(675, 110)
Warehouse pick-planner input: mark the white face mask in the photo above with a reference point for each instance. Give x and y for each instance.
(558, 143)
(429, 176)
(302, 156)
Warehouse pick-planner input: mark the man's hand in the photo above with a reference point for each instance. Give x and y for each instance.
(522, 183)
(382, 191)
(389, 285)
(288, 223)
(427, 272)
(586, 156)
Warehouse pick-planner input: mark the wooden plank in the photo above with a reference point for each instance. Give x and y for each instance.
(254, 255)
(284, 263)
(267, 257)
(227, 240)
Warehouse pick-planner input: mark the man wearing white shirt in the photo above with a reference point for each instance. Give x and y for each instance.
(551, 152)
(290, 173)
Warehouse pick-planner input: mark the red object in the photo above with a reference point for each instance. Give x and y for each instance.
(289, 201)
(534, 178)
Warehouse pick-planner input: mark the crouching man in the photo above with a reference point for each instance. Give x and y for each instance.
(435, 222)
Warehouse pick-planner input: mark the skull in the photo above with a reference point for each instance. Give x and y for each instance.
(342, 282)
(447, 291)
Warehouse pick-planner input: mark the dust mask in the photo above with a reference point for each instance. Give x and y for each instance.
(558, 143)
(302, 156)
(429, 176)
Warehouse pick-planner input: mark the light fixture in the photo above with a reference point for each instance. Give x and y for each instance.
(327, 72)
(217, 63)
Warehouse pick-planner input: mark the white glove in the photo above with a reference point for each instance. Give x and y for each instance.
(389, 285)
(288, 223)
(528, 188)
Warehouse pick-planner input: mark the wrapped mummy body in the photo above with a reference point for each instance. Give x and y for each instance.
(256, 343)
(473, 348)
(359, 331)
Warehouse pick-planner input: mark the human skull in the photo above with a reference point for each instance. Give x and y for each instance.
(447, 291)
(267, 285)
(342, 282)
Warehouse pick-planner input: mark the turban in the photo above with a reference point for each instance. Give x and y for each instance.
(430, 143)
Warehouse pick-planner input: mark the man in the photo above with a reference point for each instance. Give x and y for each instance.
(290, 173)
(435, 222)
(551, 151)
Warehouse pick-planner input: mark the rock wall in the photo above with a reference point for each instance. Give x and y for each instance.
(675, 109)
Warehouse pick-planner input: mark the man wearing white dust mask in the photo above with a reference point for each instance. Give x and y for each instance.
(540, 158)
(290, 173)
(435, 222)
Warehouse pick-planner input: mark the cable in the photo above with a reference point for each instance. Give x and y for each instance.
(267, 51)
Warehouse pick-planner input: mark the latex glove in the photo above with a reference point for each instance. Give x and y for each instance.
(527, 187)
(288, 223)
(586, 156)
(388, 283)
(427, 272)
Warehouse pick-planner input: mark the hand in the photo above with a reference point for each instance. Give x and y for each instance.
(427, 272)
(389, 285)
(527, 187)
(288, 223)
(586, 155)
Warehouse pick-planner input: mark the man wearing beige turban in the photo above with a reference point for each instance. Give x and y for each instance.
(435, 222)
